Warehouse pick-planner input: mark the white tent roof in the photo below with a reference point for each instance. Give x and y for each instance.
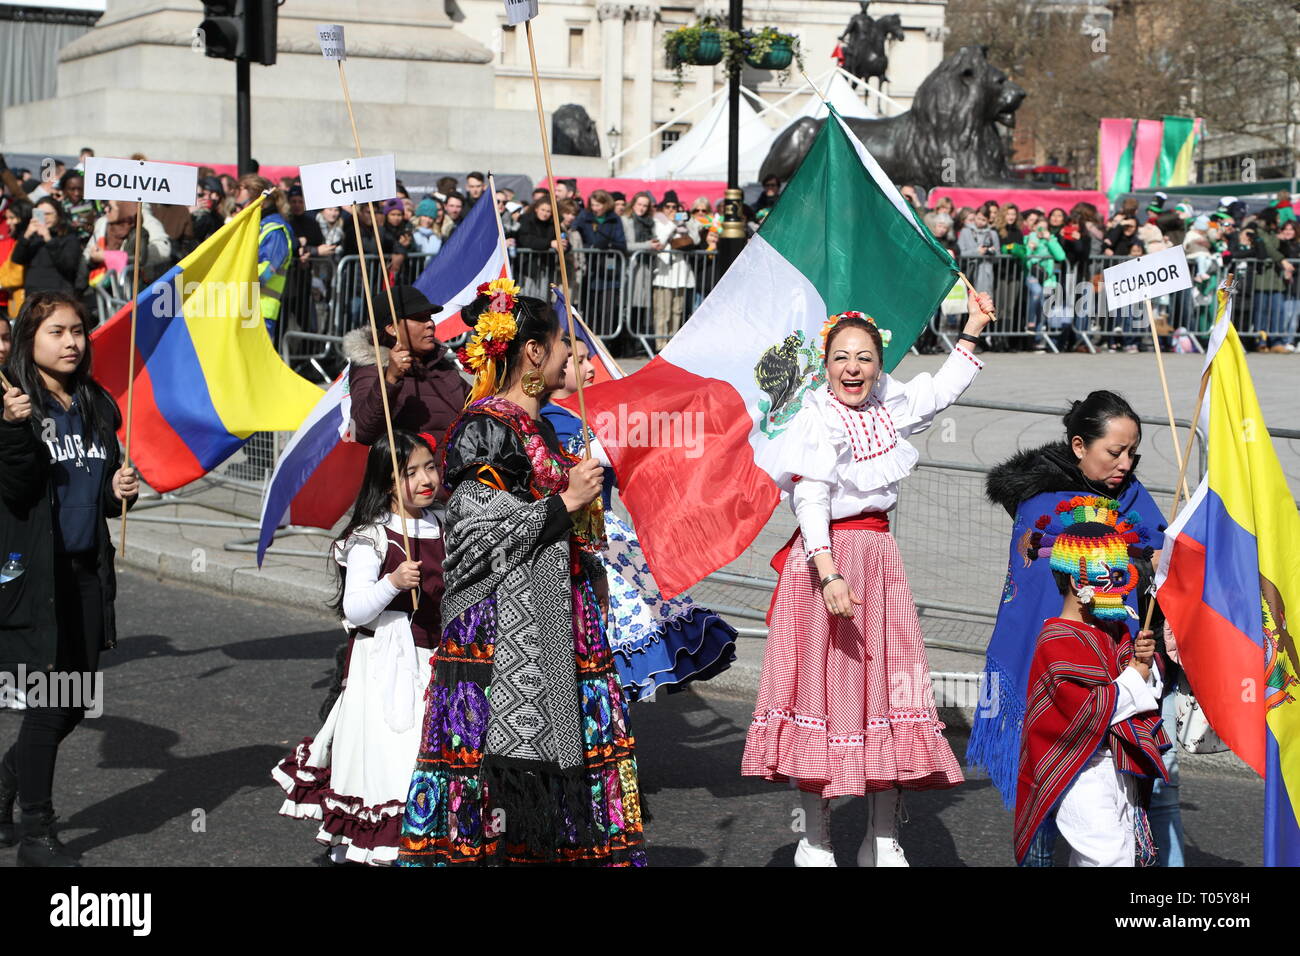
(840, 92)
(701, 153)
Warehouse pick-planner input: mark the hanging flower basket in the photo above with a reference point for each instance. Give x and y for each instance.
(705, 43)
(707, 52)
(770, 49)
(778, 57)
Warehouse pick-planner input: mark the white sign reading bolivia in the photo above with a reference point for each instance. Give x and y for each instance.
(137, 180)
(332, 46)
(365, 179)
(517, 11)
(1147, 277)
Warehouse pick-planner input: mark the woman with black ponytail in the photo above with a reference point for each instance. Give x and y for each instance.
(543, 770)
(61, 478)
(1098, 457)
(353, 775)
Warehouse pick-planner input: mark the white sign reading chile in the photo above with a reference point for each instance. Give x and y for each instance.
(365, 179)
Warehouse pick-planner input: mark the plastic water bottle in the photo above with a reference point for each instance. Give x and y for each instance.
(12, 568)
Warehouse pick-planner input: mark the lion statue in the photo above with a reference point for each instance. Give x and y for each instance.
(949, 136)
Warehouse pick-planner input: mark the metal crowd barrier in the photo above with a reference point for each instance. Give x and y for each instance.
(665, 288)
(1066, 309)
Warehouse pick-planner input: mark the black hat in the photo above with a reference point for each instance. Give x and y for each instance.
(213, 185)
(408, 300)
(670, 196)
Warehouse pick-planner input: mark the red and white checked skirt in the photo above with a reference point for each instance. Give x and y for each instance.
(845, 706)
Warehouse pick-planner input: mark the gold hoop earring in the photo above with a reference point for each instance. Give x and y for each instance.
(533, 383)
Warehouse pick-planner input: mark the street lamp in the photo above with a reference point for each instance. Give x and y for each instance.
(613, 137)
(732, 240)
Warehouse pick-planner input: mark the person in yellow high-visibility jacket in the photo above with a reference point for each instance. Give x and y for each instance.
(275, 246)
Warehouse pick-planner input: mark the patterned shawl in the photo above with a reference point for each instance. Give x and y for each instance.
(1072, 696)
(498, 567)
(493, 551)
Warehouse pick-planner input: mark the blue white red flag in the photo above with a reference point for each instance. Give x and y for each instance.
(319, 472)
(473, 254)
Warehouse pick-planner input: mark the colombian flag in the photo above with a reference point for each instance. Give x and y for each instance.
(1228, 573)
(206, 374)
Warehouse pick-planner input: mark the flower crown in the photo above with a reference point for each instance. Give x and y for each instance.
(886, 336)
(495, 328)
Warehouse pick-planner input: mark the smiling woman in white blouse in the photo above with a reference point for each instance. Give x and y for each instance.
(845, 706)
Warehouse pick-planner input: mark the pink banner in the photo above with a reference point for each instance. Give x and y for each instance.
(1112, 142)
(1043, 199)
(688, 190)
(1149, 136)
(273, 173)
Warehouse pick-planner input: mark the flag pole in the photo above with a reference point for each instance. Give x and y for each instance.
(383, 397)
(1169, 404)
(501, 226)
(398, 325)
(130, 365)
(1230, 285)
(555, 222)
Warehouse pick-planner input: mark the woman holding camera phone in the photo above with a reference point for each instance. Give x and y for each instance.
(48, 250)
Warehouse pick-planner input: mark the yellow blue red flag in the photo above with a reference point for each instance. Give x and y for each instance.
(206, 374)
(1229, 571)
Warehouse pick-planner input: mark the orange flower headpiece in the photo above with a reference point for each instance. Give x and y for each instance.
(885, 335)
(493, 332)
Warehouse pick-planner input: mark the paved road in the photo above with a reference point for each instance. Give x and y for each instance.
(205, 695)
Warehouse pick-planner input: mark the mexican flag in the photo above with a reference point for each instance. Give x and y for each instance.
(695, 436)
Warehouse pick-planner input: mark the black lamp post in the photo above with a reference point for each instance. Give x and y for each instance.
(732, 240)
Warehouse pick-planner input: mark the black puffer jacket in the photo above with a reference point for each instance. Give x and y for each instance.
(1053, 467)
(29, 631)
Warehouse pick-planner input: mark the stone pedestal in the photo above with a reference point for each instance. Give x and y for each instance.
(139, 82)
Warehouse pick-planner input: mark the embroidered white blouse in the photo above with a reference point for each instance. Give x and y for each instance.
(842, 460)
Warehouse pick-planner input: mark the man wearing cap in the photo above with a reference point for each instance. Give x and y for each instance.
(425, 389)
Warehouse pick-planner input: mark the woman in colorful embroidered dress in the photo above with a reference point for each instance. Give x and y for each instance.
(354, 774)
(526, 756)
(845, 705)
(656, 642)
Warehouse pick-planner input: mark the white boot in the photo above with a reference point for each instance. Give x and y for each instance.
(880, 846)
(815, 848)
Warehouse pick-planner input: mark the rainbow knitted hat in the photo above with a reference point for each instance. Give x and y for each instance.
(1092, 541)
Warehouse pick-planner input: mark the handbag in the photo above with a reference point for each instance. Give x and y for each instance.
(1195, 735)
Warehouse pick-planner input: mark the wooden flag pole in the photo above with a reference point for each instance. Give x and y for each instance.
(555, 222)
(398, 325)
(501, 226)
(383, 396)
(1230, 286)
(993, 315)
(130, 364)
(1169, 404)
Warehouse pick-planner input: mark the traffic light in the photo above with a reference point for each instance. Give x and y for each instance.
(239, 30)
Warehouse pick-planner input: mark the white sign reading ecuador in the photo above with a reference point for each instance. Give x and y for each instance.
(136, 180)
(365, 179)
(1147, 277)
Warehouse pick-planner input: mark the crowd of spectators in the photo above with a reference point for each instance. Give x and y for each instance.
(650, 259)
(1043, 268)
